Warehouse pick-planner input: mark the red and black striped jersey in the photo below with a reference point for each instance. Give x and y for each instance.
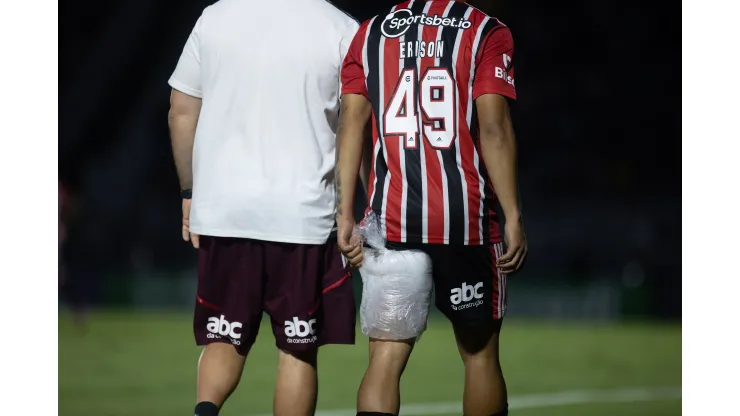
(422, 65)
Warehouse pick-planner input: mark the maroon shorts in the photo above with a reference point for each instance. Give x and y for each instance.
(305, 289)
(469, 289)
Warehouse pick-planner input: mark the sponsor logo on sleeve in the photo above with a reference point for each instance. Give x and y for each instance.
(503, 72)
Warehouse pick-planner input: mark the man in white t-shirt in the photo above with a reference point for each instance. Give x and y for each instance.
(254, 111)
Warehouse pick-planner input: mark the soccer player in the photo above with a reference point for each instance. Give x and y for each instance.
(435, 79)
(253, 117)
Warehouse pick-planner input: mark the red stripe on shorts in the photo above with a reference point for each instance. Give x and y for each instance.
(313, 310)
(336, 284)
(327, 289)
(206, 304)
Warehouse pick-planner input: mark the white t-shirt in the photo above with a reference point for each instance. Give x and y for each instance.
(269, 77)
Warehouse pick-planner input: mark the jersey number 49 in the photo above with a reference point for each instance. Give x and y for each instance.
(437, 102)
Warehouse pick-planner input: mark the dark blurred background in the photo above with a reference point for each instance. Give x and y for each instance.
(597, 306)
(597, 121)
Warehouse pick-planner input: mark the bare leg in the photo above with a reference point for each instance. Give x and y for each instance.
(296, 387)
(380, 388)
(219, 370)
(485, 388)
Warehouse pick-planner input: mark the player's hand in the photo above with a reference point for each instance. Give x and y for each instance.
(186, 234)
(350, 245)
(516, 248)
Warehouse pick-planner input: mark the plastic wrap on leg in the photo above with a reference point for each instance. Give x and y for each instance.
(397, 287)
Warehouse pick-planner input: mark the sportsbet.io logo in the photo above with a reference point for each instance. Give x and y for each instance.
(397, 23)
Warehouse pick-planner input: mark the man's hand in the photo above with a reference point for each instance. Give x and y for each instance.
(186, 234)
(516, 248)
(350, 245)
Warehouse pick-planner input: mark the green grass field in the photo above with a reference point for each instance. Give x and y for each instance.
(130, 364)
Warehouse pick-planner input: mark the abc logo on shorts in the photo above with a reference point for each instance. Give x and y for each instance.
(465, 294)
(219, 327)
(300, 329)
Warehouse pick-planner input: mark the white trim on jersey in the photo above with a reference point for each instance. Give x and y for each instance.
(366, 69)
(402, 154)
(422, 154)
(365, 66)
(445, 190)
(376, 150)
(501, 281)
(420, 142)
(476, 161)
(504, 297)
(404, 187)
(503, 284)
(381, 126)
(445, 195)
(464, 181)
(474, 53)
(423, 143)
(439, 34)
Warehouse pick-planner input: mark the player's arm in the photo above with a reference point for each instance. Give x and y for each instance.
(498, 148)
(367, 157)
(351, 146)
(352, 80)
(353, 118)
(183, 120)
(493, 87)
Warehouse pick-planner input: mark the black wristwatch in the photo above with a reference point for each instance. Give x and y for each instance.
(186, 194)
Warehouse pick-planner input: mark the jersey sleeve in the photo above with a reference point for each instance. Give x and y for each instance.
(186, 77)
(353, 72)
(494, 73)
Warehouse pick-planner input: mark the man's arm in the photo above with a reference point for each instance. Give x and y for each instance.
(352, 80)
(498, 148)
(183, 119)
(353, 118)
(493, 85)
(185, 103)
(367, 157)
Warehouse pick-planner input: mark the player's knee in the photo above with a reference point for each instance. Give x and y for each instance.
(223, 352)
(478, 340)
(221, 357)
(390, 355)
(219, 371)
(293, 358)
